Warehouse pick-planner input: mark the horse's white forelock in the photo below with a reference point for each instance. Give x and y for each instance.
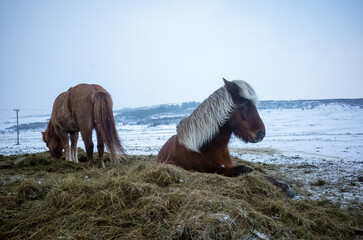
(246, 91)
(203, 124)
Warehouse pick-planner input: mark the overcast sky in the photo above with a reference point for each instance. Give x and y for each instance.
(153, 52)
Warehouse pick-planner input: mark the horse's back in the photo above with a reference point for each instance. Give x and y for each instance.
(75, 108)
(85, 90)
(82, 95)
(98, 88)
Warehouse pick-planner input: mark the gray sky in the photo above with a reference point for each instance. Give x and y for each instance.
(154, 52)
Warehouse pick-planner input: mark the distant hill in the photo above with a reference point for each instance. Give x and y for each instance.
(166, 114)
(155, 115)
(173, 113)
(309, 104)
(28, 126)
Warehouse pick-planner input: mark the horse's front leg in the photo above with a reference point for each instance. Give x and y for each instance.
(65, 142)
(285, 188)
(235, 171)
(243, 169)
(74, 151)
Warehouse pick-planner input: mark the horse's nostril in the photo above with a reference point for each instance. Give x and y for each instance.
(260, 134)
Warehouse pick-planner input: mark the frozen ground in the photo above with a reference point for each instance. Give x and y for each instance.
(320, 150)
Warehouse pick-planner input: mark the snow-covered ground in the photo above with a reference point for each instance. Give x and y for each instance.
(321, 148)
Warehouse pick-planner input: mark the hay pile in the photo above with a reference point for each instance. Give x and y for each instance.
(138, 199)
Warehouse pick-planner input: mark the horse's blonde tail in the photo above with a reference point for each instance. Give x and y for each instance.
(105, 123)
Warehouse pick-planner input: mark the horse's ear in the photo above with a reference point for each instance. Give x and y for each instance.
(233, 89)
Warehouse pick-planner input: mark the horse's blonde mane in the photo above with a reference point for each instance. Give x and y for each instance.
(204, 123)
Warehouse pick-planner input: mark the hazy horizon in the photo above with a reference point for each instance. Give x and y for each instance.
(10, 113)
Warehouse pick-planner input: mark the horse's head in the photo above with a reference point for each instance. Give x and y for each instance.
(245, 122)
(53, 142)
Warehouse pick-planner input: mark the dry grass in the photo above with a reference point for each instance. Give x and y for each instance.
(139, 199)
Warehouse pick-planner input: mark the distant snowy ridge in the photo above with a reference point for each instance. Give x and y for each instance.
(310, 104)
(172, 113)
(167, 114)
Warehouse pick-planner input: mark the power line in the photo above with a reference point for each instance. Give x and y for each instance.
(35, 109)
(25, 109)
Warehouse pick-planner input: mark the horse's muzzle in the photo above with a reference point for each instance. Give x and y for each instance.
(258, 138)
(260, 135)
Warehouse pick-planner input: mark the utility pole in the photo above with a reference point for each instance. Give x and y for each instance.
(17, 125)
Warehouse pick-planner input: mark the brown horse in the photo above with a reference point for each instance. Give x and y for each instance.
(81, 109)
(201, 142)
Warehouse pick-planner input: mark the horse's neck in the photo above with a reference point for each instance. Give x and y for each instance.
(220, 140)
(51, 128)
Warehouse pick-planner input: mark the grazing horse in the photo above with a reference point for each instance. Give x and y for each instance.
(201, 142)
(81, 109)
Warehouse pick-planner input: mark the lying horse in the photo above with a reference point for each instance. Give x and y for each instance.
(81, 109)
(201, 142)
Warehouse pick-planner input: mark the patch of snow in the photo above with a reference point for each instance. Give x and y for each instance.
(221, 217)
(260, 235)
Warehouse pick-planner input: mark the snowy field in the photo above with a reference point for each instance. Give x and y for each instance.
(320, 149)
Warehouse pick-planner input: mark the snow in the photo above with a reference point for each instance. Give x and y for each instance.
(325, 133)
(325, 142)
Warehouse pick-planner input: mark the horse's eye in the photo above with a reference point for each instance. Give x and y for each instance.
(244, 107)
(242, 100)
(248, 103)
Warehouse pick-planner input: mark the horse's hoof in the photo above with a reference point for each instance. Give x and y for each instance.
(290, 192)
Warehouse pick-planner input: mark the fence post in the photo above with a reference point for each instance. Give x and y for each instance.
(17, 125)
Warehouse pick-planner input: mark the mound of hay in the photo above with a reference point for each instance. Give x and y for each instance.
(139, 199)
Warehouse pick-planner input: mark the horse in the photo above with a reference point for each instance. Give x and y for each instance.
(201, 142)
(81, 109)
